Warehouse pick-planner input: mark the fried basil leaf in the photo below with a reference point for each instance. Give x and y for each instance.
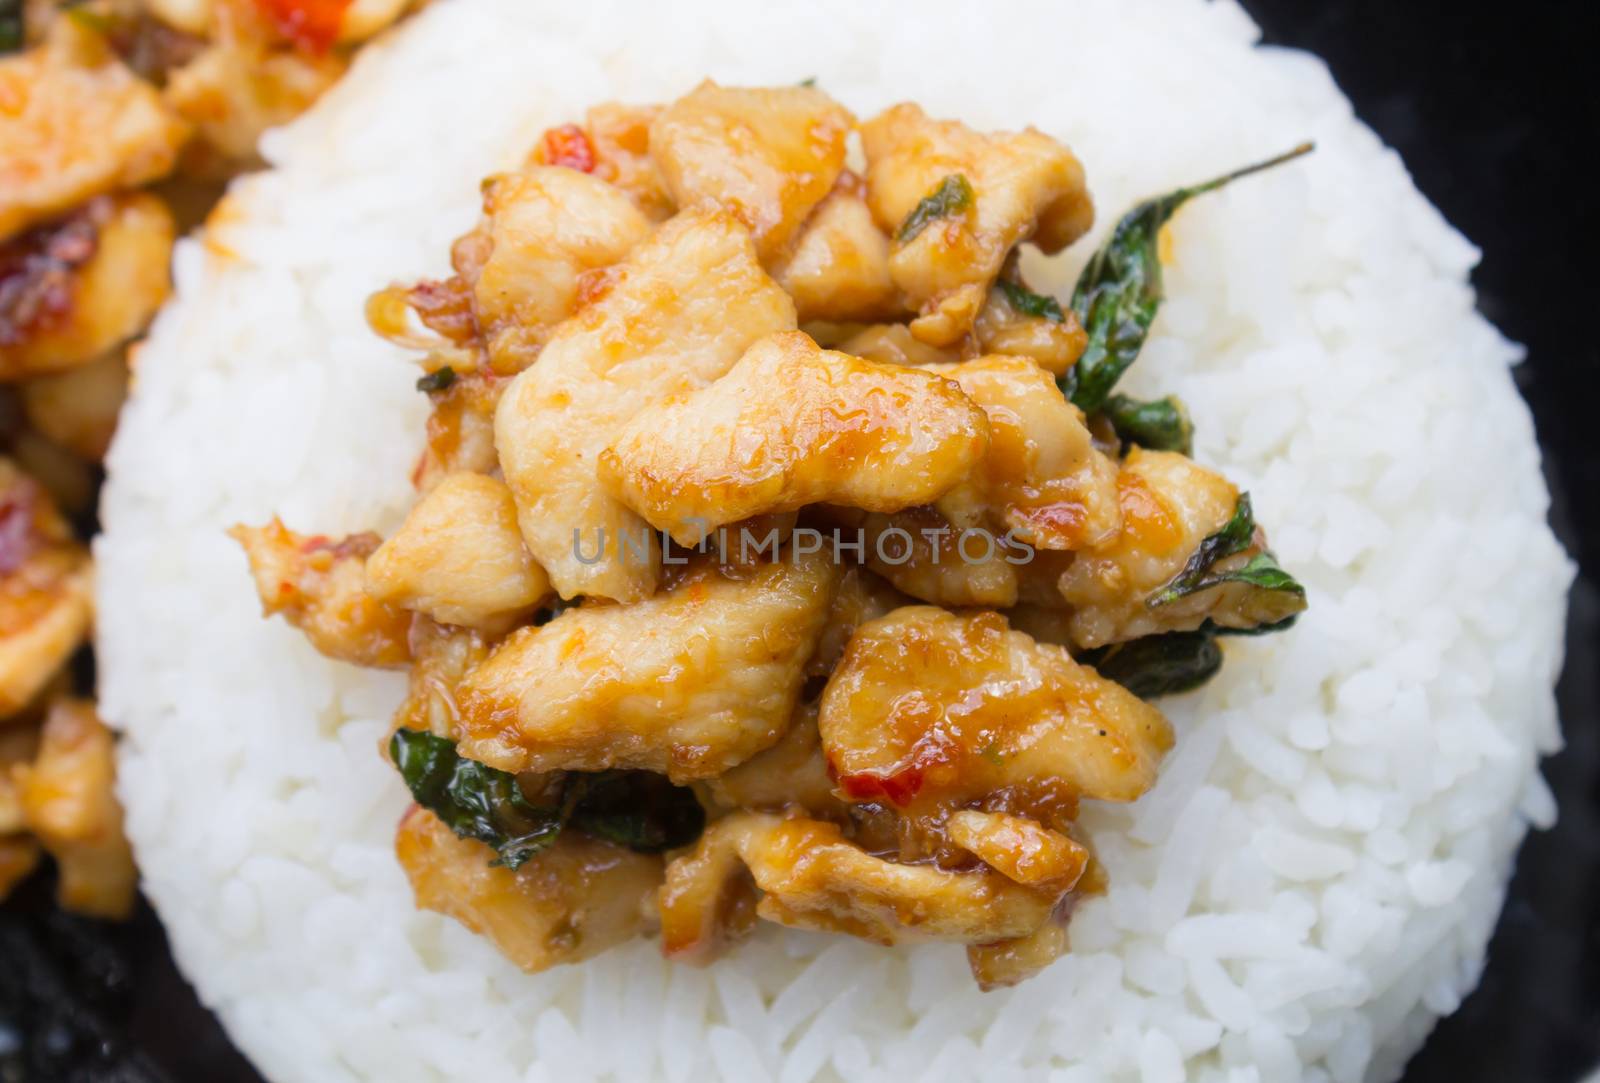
(1029, 303)
(952, 196)
(1237, 535)
(1162, 425)
(474, 800)
(1119, 291)
(636, 809)
(1159, 665)
(438, 380)
(11, 28)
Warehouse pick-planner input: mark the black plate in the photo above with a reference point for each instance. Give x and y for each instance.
(1488, 107)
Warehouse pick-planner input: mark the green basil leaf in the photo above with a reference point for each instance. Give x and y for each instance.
(1029, 303)
(439, 379)
(1260, 571)
(637, 809)
(474, 800)
(1120, 289)
(1159, 665)
(952, 196)
(1162, 425)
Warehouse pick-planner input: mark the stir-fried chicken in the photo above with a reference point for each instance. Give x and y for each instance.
(1012, 187)
(688, 683)
(319, 584)
(550, 228)
(459, 558)
(930, 706)
(77, 409)
(76, 123)
(767, 155)
(72, 292)
(1169, 505)
(573, 900)
(839, 268)
(792, 425)
(677, 314)
(69, 806)
(807, 744)
(45, 589)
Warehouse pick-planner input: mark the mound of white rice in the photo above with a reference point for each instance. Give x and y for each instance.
(1314, 879)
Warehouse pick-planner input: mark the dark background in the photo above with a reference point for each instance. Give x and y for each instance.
(1492, 107)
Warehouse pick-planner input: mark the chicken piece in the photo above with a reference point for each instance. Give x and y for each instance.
(73, 292)
(76, 123)
(460, 430)
(767, 155)
(861, 597)
(687, 683)
(791, 425)
(238, 88)
(1017, 186)
(1169, 506)
(319, 584)
(549, 228)
(69, 804)
(569, 902)
(791, 774)
(930, 707)
(441, 657)
(675, 315)
(19, 744)
(19, 856)
(894, 344)
(78, 409)
(1007, 962)
(1042, 479)
(839, 268)
(1018, 848)
(1055, 345)
(931, 556)
(459, 558)
(812, 878)
(45, 590)
(613, 145)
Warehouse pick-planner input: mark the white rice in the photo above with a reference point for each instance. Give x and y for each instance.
(1314, 879)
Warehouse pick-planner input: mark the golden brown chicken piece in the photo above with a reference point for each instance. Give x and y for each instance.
(319, 584)
(930, 707)
(78, 409)
(565, 904)
(839, 266)
(792, 425)
(1021, 849)
(811, 877)
(441, 657)
(1042, 478)
(73, 291)
(19, 744)
(459, 558)
(1007, 962)
(550, 230)
(69, 804)
(947, 554)
(237, 88)
(687, 683)
(998, 190)
(767, 155)
(76, 123)
(614, 145)
(1169, 505)
(861, 597)
(675, 316)
(791, 774)
(1055, 345)
(45, 589)
(894, 344)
